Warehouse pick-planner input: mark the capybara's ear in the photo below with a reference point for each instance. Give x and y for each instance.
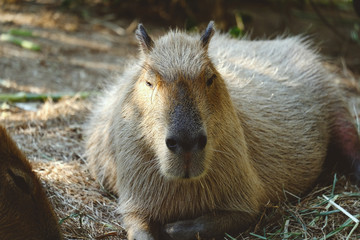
(146, 43)
(209, 32)
(22, 180)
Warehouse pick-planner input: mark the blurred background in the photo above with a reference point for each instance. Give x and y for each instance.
(70, 45)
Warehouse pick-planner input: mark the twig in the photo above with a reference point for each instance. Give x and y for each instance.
(346, 213)
(286, 229)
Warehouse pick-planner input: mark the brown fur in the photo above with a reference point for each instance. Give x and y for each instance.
(25, 212)
(269, 116)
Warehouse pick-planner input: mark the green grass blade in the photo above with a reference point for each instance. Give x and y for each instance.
(21, 32)
(20, 42)
(258, 236)
(32, 97)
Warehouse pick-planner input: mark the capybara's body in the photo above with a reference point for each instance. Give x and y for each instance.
(202, 132)
(25, 212)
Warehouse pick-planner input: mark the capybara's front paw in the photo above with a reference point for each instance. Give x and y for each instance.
(182, 230)
(139, 235)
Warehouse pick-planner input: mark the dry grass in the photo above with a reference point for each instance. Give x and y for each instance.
(51, 137)
(86, 212)
(312, 217)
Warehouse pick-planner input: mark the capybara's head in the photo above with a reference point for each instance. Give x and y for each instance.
(180, 94)
(25, 212)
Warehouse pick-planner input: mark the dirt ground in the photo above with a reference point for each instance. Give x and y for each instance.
(76, 55)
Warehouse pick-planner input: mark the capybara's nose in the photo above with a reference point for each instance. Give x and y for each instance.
(186, 142)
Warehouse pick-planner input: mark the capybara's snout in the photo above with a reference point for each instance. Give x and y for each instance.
(186, 141)
(186, 133)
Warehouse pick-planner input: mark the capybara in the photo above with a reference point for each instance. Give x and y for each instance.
(202, 131)
(25, 211)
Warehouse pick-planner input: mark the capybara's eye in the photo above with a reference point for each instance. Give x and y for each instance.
(210, 80)
(149, 84)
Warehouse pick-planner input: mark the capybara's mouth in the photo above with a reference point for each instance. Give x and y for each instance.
(185, 166)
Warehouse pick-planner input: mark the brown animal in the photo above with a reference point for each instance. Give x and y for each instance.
(25, 212)
(203, 131)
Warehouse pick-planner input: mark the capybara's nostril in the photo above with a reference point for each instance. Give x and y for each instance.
(171, 144)
(186, 143)
(202, 140)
